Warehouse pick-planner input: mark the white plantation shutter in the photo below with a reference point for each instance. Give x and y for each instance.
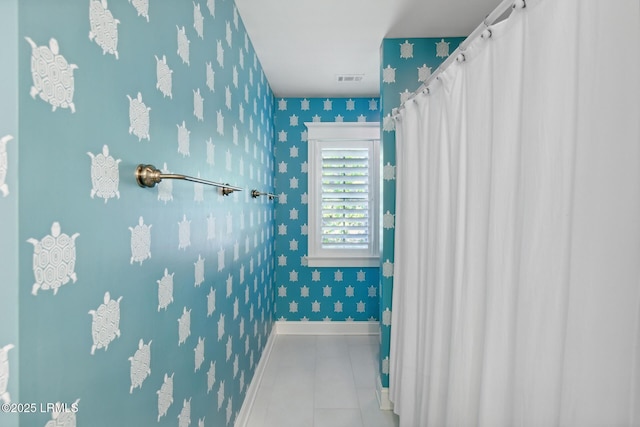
(343, 194)
(345, 198)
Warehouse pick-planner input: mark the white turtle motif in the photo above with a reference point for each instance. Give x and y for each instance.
(165, 187)
(424, 73)
(199, 271)
(198, 20)
(229, 216)
(4, 164)
(210, 152)
(139, 118)
(388, 220)
(163, 75)
(221, 327)
(165, 290)
(105, 176)
(220, 123)
(229, 347)
(235, 76)
(229, 34)
(184, 233)
(142, 6)
(183, 139)
(220, 395)
(229, 285)
(236, 364)
(211, 227)
(220, 53)
(198, 191)
(183, 45)
(165, 396)
(388, 124)
(104, 28)
(62, 415)
(184, 417)
(211, 376)
(4, 372)
(184, 325)
(210, 77)
(387, 269)
(211, 302)
(386, 317)
(52, 75)
(199, 354)
(227, 97)
(106, 323)
(389, 172)
(54, 260)
(198, 105)
(140, 365)
(229, 408)
(442, 49)
(140, 241)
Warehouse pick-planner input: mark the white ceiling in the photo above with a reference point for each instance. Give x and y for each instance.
(303, 44)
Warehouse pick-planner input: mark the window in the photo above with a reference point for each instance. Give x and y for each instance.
(344, 163)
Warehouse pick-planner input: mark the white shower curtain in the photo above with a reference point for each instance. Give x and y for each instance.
(516, 297)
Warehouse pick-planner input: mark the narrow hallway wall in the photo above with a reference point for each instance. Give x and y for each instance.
(143, 306)
(303, 292)
(406, 63)
(9, 339)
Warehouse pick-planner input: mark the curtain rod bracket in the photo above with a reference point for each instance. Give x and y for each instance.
(255, 194)
(227, 190)
(147, 176)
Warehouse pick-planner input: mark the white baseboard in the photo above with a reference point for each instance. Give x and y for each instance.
(285, 327)
(243, 416)
(383, 396)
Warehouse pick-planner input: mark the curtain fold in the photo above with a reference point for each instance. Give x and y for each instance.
(516, 297)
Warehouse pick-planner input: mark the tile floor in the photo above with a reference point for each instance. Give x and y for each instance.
(318, 381)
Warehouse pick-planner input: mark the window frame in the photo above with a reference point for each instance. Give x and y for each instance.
(339, 135)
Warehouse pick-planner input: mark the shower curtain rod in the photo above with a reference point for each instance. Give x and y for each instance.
(489, 20)
(148, 176)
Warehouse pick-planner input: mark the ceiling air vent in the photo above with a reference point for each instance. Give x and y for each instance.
(349, 78)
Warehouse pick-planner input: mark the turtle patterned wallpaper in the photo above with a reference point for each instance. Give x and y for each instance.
(137, 306)
(406, 64)
(303, 292)
(9, 334)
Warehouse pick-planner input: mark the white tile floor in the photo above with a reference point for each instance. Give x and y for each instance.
(318, 381)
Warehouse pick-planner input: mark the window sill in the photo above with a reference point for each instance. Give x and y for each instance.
(343, 261)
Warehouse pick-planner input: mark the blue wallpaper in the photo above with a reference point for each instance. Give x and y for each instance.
(152, 306)
(303, 292)
(140, 306)
(406, 64)
(9, 334)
